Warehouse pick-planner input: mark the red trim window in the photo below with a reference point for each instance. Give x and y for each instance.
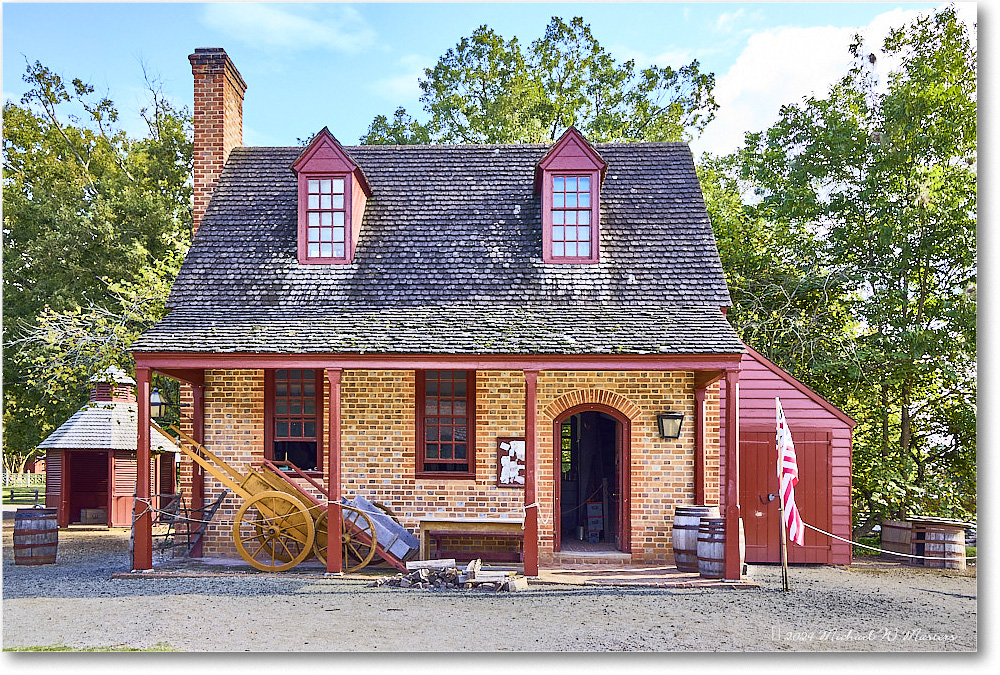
(571, 223)
(294, 421)
(326, 218)
(571, 210)
(446, 402)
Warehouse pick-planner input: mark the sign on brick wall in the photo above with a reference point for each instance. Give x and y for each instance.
(510, 462)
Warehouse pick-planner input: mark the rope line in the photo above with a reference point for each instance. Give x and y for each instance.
(881, 550)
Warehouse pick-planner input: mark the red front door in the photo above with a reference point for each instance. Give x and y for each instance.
(759, 495)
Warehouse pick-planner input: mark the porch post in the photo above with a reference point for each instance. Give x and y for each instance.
(142, 527)
(731, 566)
(530, 474)
(198, 473)
(699, 445)
(334, 560)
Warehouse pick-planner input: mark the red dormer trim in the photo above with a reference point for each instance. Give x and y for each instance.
(569, 179)
(332, 195)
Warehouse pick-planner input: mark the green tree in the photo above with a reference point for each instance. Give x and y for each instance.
(401, 130)
(88, 212)
(490, 90)
(882, 170)
(786, 303)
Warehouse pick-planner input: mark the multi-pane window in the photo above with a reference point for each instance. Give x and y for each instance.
(326, 213)
(571, 226)
(445, 421)
(294, 418)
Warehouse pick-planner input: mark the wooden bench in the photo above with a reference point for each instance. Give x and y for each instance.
(433, 530)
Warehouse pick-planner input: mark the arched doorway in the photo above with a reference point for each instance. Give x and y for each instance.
(591, 490)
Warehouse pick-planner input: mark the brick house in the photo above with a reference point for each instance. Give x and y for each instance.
(391, 318)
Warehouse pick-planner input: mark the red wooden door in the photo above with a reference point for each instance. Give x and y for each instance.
(759, 481)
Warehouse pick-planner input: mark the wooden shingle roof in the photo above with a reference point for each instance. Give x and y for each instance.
(449, 260)
(103, 425)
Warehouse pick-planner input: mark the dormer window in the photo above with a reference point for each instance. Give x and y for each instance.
(569, 178)
(326, 218)
(332, 197)
(571, 217)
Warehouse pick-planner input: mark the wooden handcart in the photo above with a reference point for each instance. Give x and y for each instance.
(281, 524)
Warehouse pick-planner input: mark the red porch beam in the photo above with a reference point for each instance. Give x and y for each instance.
(530, 474)
(536, 362)
(334, 560)
(142, 527)
(731, 564)
(198, 473)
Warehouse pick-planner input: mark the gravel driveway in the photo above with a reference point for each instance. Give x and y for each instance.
(864, 608)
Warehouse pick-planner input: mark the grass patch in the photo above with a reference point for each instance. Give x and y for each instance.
(867, 552)
(116, 648)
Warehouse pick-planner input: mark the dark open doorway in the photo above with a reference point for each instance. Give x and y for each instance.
(591, 484)
(88, 487)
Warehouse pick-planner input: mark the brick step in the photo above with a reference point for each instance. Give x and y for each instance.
(578, 558)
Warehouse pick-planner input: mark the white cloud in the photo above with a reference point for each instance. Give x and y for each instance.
(780, 66)
(727, 21)
(330, 27)
(403, 87)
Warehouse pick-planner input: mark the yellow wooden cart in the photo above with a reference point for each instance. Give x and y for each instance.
(281, 524)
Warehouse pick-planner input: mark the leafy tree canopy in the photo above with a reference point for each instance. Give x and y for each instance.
(488, 89)
(91, 218)
(877, 183)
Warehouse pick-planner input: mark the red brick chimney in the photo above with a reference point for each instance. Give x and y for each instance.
(218, 120)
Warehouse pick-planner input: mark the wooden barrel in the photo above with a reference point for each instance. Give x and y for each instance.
(896, 536)
(685, 534)
(712, 547)
(943, 546)
(36, 536)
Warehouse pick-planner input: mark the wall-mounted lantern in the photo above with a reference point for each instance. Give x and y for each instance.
(670, 424)
(157, 404)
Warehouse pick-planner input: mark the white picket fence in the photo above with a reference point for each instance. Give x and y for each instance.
(23, 480)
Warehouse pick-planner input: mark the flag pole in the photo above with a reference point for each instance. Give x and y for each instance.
(784, 545)
(781, 501)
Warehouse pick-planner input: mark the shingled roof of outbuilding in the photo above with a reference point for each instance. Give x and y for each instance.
(103, 425)
(452, 236)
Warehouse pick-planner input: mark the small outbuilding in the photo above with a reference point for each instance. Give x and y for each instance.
(91, 461)
(822, 434)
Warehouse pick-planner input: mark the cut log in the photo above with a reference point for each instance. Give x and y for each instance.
(515, 584)
(442, 564)
(484, 575)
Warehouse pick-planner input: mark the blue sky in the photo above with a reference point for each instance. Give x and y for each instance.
(339, 65)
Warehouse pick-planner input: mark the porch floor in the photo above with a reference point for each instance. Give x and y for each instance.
(616, 574)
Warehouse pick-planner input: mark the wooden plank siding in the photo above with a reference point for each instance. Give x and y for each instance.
(53, 478)
(813, 421)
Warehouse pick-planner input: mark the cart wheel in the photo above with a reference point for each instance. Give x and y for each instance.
(358, 550)
(273, 531)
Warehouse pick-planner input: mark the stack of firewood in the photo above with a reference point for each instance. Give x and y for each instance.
(445, 574)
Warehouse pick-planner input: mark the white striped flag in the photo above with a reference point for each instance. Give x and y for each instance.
(788, 477)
